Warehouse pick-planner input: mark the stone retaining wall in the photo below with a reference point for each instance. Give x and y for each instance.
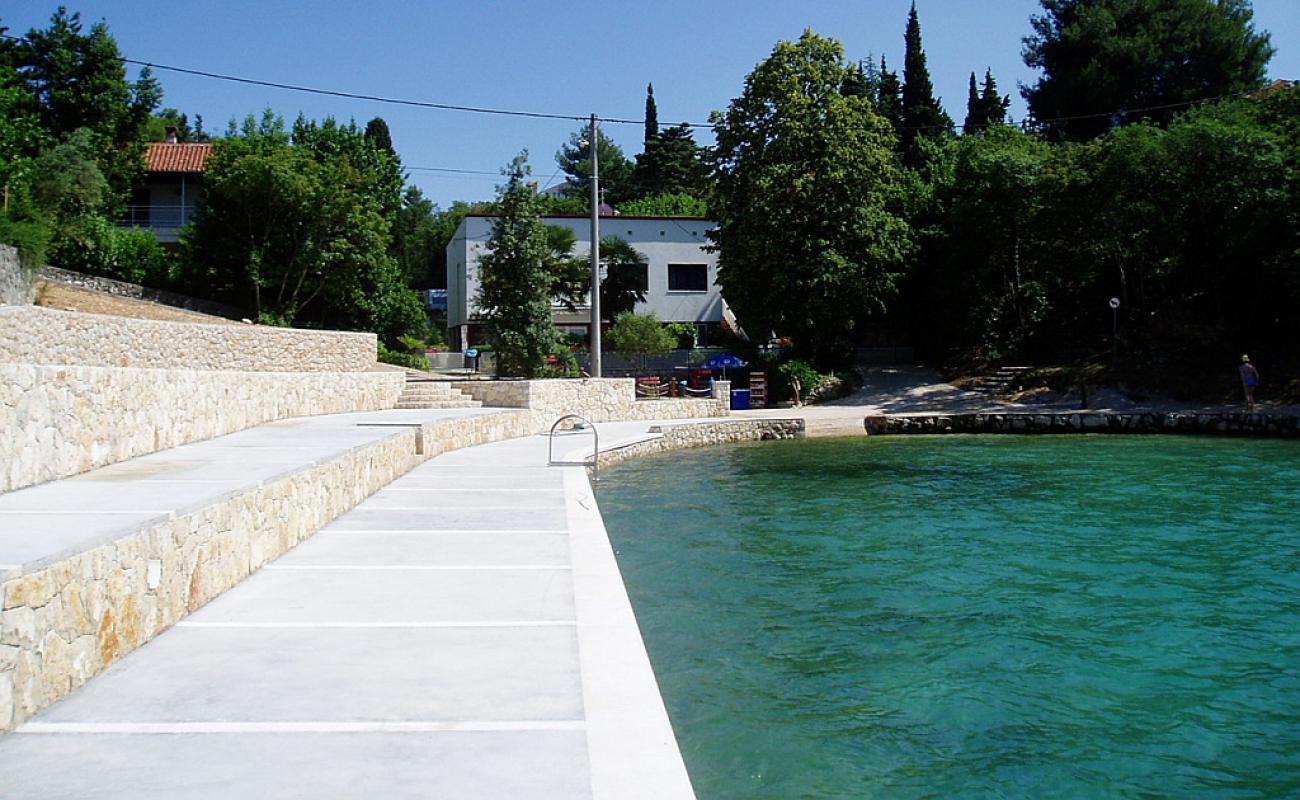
(598, 399)
(704, 434)
(16, 286)
(34, 335)
(65, 623)
(60, 421)
(1218, 423)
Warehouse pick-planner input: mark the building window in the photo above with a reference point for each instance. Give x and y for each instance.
(630, 276)
(688, 277)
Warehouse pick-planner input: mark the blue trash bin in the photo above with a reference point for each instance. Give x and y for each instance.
(739, 399)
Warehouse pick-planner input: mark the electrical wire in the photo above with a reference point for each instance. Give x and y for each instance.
(586, 117)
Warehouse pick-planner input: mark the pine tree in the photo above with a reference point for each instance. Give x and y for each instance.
(889, 97)
(993, 106)
(651, 114)
(922, 115)
(985, 107)
(514, 284)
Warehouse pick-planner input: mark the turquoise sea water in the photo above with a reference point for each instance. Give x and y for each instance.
(972, 616)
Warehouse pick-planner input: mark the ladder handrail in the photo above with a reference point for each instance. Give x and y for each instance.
(595, 454)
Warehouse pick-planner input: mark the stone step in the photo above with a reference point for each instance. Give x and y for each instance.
(438, 404)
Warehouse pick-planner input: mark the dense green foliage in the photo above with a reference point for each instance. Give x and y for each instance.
(1193, 228)
(515, 284)
(1114, 62)
(809, 246)
(75, 79)
(640, 336)
(297, 228)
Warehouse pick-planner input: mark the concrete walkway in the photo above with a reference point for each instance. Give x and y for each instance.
(464, 633)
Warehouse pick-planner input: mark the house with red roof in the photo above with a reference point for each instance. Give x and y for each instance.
(171, 190)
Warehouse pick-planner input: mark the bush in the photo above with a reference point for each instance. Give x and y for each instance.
(30, 237)
(409, 360)
(636, 336)
(803, 380)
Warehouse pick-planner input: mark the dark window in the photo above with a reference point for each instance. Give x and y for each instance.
(631, 276)
(688, 277)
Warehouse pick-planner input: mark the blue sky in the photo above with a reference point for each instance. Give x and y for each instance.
(570, 58)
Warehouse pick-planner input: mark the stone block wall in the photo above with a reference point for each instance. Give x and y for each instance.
(704, 434)
(598, 399)
(16, 286)
(65, 623)
(60, 421)
(1204, 423)
(34, 335)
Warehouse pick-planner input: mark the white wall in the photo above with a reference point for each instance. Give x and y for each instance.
(662, 241)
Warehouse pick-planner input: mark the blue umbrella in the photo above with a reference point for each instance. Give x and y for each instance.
(724, 361)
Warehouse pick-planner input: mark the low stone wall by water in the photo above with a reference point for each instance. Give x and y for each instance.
(60, 421)
(1216, 423)
(598, 399)
(704, 434)
(34, 335)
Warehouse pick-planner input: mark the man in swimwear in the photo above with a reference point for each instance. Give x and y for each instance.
(1249, 380)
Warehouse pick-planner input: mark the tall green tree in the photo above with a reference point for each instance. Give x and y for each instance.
(672, 163)
(808, 244)
(1107, 63)
(889, 97)
(416, 240)
(76, 79)
(984, 106)
(574, 159)
(922, 115)
(651, 115)
(377, 132)
(514, 283)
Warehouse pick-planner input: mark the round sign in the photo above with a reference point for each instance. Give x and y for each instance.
(1114, 302)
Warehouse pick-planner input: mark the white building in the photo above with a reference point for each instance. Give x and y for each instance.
(680, 275)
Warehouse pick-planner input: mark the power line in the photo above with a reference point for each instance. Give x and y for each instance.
(584, 117)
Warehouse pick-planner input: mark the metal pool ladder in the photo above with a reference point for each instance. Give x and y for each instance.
(595, 453)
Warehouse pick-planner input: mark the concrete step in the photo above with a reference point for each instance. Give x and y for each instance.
(439, 404)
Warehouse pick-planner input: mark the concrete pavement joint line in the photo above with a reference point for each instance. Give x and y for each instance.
(431, 726)
(414, 567)
(433, 507)
(75, 512)
(373, 531)
(507, 623)
(444, 488)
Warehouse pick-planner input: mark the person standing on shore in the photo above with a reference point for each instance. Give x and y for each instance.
(1249, 380)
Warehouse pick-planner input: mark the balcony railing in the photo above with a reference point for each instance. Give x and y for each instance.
(157, 216)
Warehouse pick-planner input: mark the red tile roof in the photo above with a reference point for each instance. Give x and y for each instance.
(163, 157)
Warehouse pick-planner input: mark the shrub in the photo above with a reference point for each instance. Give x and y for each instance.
(410, 360)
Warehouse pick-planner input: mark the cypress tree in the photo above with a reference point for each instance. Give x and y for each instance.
(922, 115)
(651, 114)
(973, 108)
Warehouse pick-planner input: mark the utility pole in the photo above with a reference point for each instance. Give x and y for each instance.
(595, 253)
